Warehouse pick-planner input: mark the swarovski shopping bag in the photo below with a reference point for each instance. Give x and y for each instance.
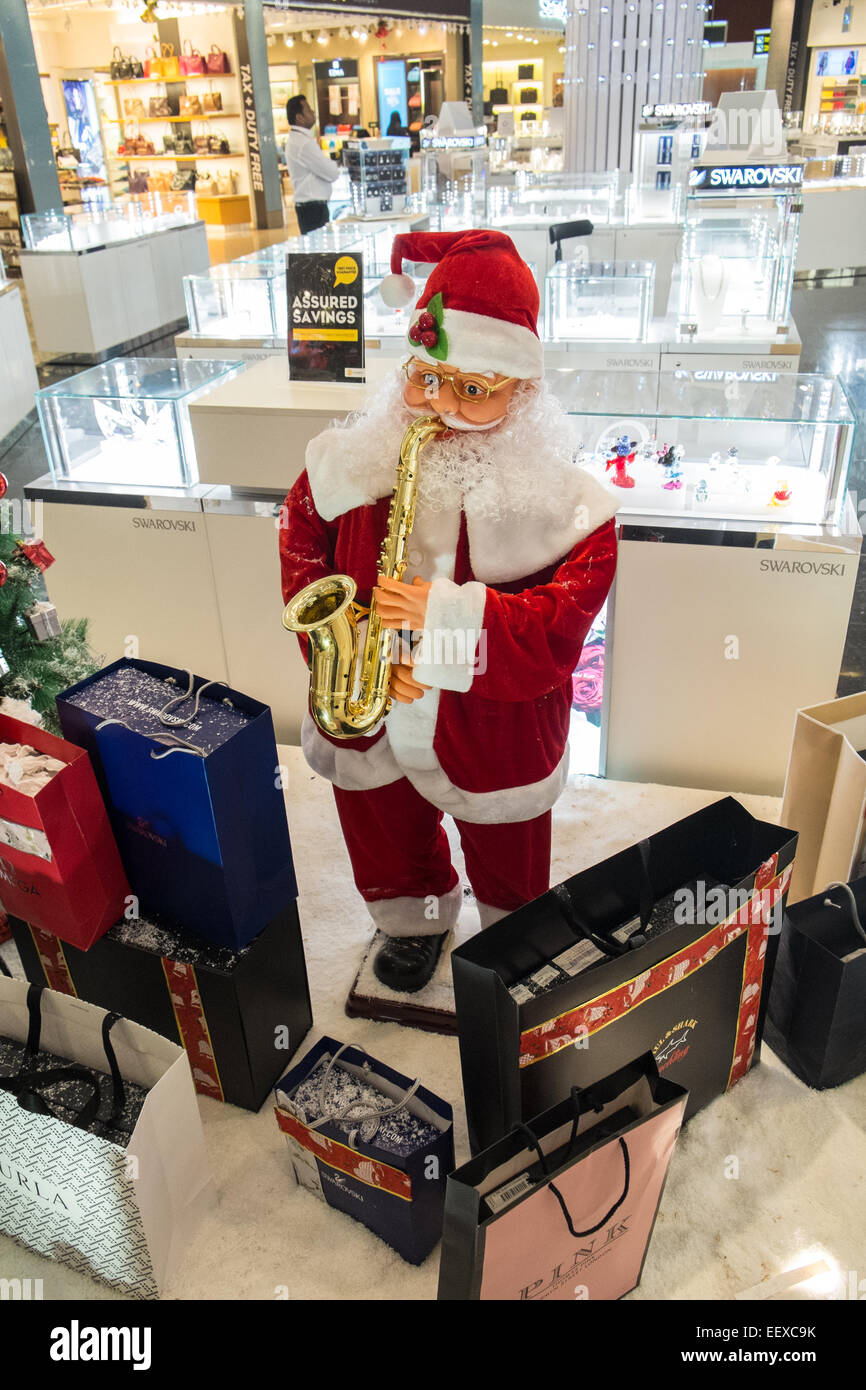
(369, 1142)
(825, 794)
(59, 864)
(102, 1158)
(661, 948)
(190, 773)
(564, 1207)
(816, 1021)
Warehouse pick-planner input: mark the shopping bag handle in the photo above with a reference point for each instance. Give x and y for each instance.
(28, 1088)
(852, 903)
(607, 945)
(368, 1112)
(523, 1129)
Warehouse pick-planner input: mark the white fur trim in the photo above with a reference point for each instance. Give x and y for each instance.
(411, 731)
(396, 291)
(446, 655)
(489, 914)
(334, 490)
(407, 916)
(478, 343)
(519, 544)
(350, 769)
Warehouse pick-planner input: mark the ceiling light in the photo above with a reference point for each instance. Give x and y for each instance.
(321, 37)
(422, 29)
(363, 36)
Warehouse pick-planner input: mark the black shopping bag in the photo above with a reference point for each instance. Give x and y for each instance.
(564, 1207)
(816, 1021)
(663, 948)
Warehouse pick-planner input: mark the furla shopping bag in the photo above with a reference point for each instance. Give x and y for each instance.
(59, 864)
(664, 947)
(816, 1020)
(190, 773)
(102, 1157)
(564, 1206)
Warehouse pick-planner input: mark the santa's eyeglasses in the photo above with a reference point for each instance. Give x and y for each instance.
(466, 387)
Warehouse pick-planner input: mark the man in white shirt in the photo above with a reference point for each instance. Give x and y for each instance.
(312, 171)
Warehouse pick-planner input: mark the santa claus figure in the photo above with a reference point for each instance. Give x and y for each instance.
(511, 556)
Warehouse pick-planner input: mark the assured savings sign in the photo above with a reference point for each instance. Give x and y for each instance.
(326, 316)
(735, 178)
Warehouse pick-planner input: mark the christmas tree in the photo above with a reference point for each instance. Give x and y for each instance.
(39, 656)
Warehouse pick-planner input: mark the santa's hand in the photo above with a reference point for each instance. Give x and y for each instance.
(402, 605)
(404, 688)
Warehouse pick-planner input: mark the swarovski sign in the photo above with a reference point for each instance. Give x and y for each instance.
(734, 177)
(674, 110)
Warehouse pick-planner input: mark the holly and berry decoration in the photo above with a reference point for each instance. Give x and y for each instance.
(428, 332)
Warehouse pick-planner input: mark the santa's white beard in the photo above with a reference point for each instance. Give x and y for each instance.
(492, 472)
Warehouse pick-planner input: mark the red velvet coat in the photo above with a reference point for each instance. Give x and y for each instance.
(489, 743)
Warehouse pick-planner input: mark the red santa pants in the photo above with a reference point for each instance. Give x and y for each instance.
(401, 860)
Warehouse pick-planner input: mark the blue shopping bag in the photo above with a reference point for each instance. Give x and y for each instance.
(189, 771)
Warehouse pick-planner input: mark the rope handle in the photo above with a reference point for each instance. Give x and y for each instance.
(329, 1115)
(166, 718)
(852, 903)
(175, 744)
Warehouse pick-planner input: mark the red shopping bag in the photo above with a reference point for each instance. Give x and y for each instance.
(59, 865)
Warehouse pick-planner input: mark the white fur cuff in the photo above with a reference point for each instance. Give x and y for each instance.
(430, 916)
(452, 646)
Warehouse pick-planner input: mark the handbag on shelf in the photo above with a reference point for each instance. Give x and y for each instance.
(170, 64)
(227, 182)
(529, 96)
(138, 181)
(218, 144)
(190, 105)
(184, 145)
(133, 107)
(191, 61)
(120, 67)
(526, 72)
(205, 186)
(169, 142)
(212, 101)
(217, 60)
(66, 150)
(159, 183)
(183, 181)
(161, 106)
(201, 143)
(152, 63)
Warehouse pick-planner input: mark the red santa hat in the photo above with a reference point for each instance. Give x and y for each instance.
(478, 310)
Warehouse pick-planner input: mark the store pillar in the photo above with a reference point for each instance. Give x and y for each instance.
(24, 110)
(261, 144)
(476, 51)
(787, 65)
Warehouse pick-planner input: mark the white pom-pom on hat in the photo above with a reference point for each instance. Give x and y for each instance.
(397, 291)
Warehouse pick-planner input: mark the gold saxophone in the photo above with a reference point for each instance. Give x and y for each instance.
(324, 610)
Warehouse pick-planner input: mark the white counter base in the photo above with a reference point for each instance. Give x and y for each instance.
(18, 380)
(86, 304)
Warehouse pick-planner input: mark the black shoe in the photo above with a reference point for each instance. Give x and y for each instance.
(406, 963)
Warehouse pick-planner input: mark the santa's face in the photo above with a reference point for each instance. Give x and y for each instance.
(462, 400)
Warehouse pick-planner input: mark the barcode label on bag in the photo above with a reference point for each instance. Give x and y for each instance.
(577, 957)
(504, 1196)
(520, 994)
(547, 975)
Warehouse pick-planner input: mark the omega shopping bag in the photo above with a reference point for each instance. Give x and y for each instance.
(102, 1157)
(190, 774)
(663, 948)
(369, 1142)
(564, 1206)
(816, 1021)
(59, 864)
(825, 794)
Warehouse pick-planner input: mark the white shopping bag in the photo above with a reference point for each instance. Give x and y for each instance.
(121, 1213)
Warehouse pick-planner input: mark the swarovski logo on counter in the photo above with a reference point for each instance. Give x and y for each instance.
(823, 568)
(736, 176)
(156, 523)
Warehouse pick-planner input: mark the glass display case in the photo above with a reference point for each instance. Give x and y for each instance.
(836, 171)
(660, 164)
(127, 421)
(738, 256)
(84, 229)
(599, 300)
(378, 171)
(755, 447)
(567, 195)
(238, 301)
